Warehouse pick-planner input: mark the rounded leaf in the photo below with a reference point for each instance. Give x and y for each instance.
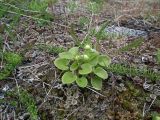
(74, 50)
(82, 82)
(104, 60)
(100, 72)
(74, 66)
(155, 116)
(93, 61)
(96, 83)
(68, 78)
(66, 55)
(86, 69)
(61, 63)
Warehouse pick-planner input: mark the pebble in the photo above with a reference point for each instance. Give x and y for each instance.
(145, 59)
(74, 102)
(6, 88)
(148, 99)
(153, 96)
(25, 116)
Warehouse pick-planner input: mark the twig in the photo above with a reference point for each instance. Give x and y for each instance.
(72, 113)
(45, 99)
(95, 91)
(145, 111)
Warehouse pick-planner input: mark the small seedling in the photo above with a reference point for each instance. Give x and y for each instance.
(82, 66)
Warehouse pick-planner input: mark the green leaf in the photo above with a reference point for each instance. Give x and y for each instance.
(82, 82)
(74, 50)
(68, 78)
(96, 83)
(100, 72)
(61, 63)
(93, 61)
(155, 117)
(86, 69)
(66, 55)
(104, 60)
(93, 57)
(74, 66)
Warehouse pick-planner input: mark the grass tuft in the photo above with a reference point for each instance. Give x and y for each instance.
(133, 71)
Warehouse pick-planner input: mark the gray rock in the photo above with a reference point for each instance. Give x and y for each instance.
(124, 31)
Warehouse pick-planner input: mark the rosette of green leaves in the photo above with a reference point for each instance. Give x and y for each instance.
(82, 66)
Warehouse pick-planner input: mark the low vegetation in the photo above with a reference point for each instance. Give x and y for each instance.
(64, 64)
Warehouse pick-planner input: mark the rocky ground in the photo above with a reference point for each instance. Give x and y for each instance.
(123, 97)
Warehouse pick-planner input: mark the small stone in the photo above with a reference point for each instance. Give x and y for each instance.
(66, 106)
(148, 99)
(74, 102)
(90, 115)
(145, 59)
(119, 89)
(121, 85)
(6, 88)
(103, 107)
(153, 96)
(76, 95)
(124, 88)
(25, 116)
(157, 91)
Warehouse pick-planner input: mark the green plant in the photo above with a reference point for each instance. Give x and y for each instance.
(72, 6)
(133, 71)
(82, 65)
(50, 48)
(83, 21)
(132, 45)
(27, 100)
(158, 56)
(38, 5)
(94, 7)
(99, 34)
(155, 116)
(11, 60)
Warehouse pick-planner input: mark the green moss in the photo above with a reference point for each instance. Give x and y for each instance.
(11, 60)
